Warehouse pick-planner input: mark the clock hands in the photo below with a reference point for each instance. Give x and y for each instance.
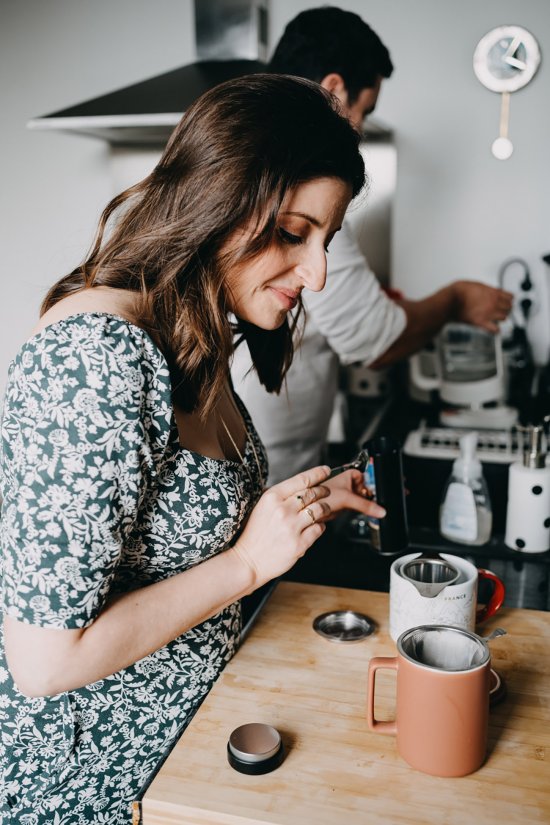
(513, 46)
(513, 61)
(509, 55)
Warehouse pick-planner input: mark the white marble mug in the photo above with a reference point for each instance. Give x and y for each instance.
(456, 604)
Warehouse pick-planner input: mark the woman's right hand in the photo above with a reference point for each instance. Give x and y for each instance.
(283, 525)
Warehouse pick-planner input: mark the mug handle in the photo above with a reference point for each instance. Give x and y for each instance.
(497, 596)
(389, 662)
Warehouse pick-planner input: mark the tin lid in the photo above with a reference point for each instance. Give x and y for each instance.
(255, 748)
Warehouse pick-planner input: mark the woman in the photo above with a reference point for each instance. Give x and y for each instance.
(133, 518)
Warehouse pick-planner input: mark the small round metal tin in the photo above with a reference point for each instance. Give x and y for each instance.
(255, 748)
(343, 626)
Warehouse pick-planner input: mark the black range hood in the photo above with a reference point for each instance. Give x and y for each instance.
(231, 41)
(145, 113)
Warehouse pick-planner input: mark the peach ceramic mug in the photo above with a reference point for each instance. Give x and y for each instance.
(442, 708)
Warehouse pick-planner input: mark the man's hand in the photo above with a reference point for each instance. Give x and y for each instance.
(468, 301)
(481, 305)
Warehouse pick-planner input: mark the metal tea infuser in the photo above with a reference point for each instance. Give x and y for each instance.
(430, 575)
(443, 647)
(446, 647)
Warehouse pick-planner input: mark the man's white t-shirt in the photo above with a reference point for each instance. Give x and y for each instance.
(350, 320)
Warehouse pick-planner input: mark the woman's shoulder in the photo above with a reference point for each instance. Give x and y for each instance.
(96, 338)
(89, 302)
(91, 344)
(91, 372)
(94, 319)
(91, 369)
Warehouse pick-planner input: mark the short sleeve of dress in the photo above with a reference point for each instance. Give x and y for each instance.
(85, 422)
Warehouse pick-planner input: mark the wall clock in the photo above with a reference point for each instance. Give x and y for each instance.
(505, 60)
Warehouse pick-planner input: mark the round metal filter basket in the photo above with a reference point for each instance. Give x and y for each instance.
(430, 571)
(443, 647)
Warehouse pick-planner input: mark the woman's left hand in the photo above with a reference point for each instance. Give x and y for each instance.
(348, 492)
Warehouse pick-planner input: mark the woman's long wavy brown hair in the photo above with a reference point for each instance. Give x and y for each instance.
(236, 153)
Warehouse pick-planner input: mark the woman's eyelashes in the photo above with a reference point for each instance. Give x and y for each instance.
(289, 237)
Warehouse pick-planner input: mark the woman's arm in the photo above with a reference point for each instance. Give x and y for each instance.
(46, 661)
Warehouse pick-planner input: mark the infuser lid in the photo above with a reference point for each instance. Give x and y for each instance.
(343, 626)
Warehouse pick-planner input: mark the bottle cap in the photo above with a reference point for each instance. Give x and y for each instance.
(533, 454)
(255, 748)
(468, 465)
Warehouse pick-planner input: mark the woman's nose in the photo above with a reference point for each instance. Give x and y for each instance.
(313, 271)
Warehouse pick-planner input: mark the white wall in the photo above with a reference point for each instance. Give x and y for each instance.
(53, 186)
(458, 211)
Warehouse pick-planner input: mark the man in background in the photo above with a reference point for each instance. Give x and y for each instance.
(352, 319)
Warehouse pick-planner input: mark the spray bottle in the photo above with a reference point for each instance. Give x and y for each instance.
(465, 515)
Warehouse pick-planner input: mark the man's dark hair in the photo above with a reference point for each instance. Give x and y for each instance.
(318, 42)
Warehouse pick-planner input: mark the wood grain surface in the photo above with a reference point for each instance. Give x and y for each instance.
(336, 772)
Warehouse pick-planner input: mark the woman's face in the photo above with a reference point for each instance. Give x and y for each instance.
(262, 291)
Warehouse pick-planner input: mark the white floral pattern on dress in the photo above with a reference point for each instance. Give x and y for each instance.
(99, 498)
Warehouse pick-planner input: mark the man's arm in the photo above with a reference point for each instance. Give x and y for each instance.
(470, 302)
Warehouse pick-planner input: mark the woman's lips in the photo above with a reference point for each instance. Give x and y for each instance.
(287, 297)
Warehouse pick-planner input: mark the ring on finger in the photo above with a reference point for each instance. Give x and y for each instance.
(308, 497)
(311, 514)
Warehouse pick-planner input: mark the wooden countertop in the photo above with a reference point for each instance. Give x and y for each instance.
(336, 772)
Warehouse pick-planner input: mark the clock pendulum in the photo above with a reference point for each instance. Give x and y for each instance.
(502, 147)
(505, 60)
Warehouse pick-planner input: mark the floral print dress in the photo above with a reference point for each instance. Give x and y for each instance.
(99, 499)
